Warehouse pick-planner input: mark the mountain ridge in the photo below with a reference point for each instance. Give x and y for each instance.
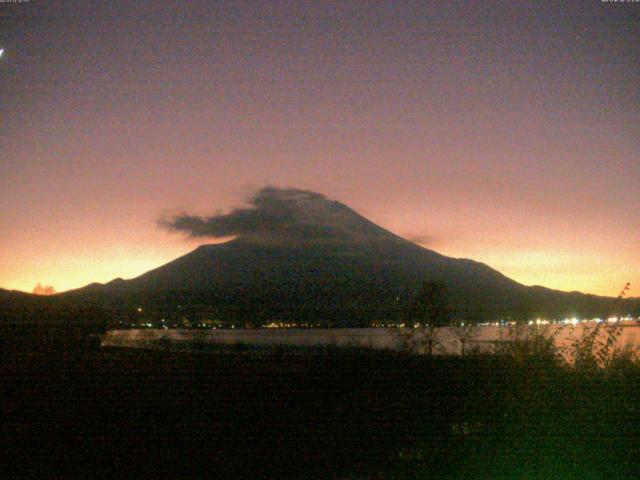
(298, 255)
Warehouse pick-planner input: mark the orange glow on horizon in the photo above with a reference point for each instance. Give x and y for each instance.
(561, 271)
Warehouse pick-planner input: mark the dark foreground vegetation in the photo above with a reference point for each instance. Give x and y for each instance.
(290, 414)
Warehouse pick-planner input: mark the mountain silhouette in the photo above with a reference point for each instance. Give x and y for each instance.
(298, 256)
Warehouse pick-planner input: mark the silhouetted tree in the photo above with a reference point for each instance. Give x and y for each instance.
(427, 312)
(466, 333)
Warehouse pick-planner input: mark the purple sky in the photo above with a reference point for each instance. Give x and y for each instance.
(506, 132)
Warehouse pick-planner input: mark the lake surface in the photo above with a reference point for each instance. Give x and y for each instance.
(449, 338)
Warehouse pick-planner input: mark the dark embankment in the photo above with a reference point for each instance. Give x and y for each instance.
(167, 415)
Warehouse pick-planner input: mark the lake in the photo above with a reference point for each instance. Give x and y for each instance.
(485, 339)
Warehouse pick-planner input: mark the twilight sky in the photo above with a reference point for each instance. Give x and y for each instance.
(506, 132)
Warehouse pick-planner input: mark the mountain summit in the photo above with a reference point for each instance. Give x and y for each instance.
(283, 216)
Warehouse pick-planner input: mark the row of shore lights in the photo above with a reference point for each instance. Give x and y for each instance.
(537, 321)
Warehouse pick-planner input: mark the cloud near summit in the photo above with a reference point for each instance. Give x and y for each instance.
(270, 210)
